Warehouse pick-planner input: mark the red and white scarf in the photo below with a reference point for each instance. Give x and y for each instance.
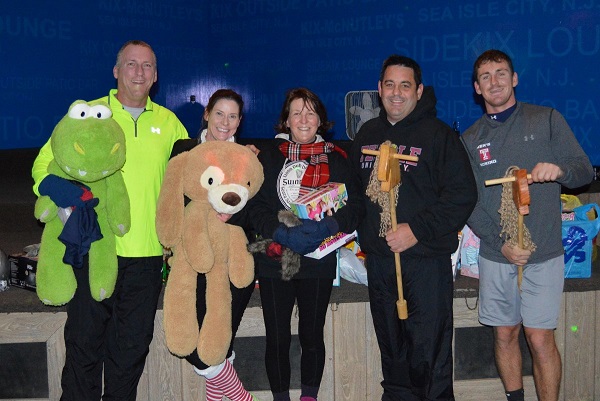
(317, 172)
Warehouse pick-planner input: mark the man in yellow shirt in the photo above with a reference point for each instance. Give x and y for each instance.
(114, 335)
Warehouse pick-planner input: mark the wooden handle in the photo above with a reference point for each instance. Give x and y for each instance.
(395, 155)
(502, 180)
(520, 191)
(402, 309)
(388, 174)
(520, 242)
(401, 303)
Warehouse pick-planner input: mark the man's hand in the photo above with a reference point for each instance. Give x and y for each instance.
(545, 172)
(515, 255)
(401, 239)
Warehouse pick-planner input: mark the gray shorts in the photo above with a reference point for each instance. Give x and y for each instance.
(537, 305)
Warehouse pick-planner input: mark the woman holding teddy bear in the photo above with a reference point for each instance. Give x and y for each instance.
(221, 119)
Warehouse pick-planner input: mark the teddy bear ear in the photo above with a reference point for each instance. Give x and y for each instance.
(170, 207)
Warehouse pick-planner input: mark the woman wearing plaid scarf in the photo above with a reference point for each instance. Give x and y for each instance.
(299, 156)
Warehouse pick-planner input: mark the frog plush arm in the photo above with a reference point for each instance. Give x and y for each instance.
(117, 204)
(39, 171)
(45, 208)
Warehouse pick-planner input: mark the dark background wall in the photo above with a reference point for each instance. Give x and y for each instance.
(54, 52)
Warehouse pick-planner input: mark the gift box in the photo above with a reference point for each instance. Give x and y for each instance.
(316, 204)
(577, 239)
(22, 271)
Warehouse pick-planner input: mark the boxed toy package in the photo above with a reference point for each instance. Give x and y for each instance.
(315, 204)
(22, 271)
(577, 239)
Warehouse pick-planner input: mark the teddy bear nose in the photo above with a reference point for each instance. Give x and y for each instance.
(231, 198)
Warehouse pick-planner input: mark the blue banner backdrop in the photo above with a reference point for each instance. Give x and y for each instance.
(55, 52)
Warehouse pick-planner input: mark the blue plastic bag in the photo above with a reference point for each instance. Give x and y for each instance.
(577, 237)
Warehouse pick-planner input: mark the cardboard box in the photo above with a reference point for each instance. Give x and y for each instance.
(315, 204)
(22, 272)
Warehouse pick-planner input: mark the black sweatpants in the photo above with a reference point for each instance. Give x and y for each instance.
(278, 298)
(114, 334)
(416, 353)
(239, 301)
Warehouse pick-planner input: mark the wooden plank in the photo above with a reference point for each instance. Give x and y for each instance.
(39, 327)
(164, 369)
(29, 327)
(193, 387)
(465, 312)
(326, 391)
(55, 346)
(349, 352)
(560, 336)
(373, 359)
(353, 367)
(473, 390)
(143, 390)
(597, 349)
(252, 324)
(579, 345)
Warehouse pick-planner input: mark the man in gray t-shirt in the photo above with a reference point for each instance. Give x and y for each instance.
(539, 140)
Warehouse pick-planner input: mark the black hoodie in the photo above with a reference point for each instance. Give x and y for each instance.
(437, 193)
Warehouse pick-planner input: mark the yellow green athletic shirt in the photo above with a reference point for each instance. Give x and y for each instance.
(149, 141)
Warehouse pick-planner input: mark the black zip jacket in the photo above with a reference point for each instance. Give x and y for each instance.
(261, 211)
(437, 193)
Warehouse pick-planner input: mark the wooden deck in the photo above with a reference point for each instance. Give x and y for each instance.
(352, 370)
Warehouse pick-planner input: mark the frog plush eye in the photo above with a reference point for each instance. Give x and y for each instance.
(100, 112)
(80, 111)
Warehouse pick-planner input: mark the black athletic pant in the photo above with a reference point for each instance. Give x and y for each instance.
(114, 334)
(239, 301)
(278, 298)
(416, 353)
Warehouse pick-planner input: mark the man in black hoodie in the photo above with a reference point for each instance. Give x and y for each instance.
(435, 198)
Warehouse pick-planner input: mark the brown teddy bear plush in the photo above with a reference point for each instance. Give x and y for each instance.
(217, 177)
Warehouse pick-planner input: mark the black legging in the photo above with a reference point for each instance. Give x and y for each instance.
(239, 300)
(278, 298)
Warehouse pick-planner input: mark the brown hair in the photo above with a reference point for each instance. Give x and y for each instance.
(228, 94)
(310, 99)
(492, 55)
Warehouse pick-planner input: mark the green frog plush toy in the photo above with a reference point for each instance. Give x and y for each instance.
(89, 150)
